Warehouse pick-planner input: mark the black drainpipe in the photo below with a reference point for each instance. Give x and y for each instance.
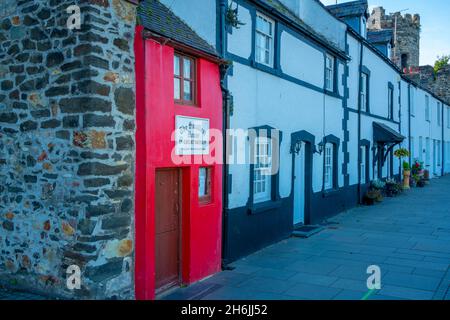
(225, 125)
(409, 123)
(442, 142)
(359, 120)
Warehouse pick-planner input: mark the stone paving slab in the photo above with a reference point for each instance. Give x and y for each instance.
(407, 236)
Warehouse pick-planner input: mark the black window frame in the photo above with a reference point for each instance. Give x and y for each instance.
(336, 142)
(275, 198)
(366, 144)
(366, 71)
(390, 101)
(335, 74)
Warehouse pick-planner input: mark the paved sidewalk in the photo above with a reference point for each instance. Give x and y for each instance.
(407, 236)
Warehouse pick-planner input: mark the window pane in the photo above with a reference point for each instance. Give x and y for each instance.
(202, 176)
(176, 88)
(262, 169)
(267, 43)
(187, 68)
(176, 65)
(187, 90)
(259, 23)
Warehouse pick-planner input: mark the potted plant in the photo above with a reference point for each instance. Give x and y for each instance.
(421, 183)
(413, 181)
(391, 188)
(417, 168)
(232, 17)
(406, 174)
(400, 154)
(370, 197)
(373, 196)
(377, 184)
(426, 176)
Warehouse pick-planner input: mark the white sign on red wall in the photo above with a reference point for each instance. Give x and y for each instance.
(191, 136)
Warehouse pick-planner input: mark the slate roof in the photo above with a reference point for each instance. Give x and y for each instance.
(159, 19)
(348, 9)
(380, 36)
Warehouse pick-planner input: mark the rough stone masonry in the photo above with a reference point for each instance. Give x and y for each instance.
(67, 105)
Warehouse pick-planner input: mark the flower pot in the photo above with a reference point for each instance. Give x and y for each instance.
(426, 175)
(369, 201)
(406, 176)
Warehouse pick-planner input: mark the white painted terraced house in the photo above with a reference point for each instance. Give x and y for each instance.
(338, 105)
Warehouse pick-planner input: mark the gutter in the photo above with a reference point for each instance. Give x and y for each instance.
(442, 141)
(409, 123)
(361, 54)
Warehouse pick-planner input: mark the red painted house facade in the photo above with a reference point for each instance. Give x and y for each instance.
(178, 205)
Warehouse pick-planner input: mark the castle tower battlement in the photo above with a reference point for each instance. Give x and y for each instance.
(406, 30)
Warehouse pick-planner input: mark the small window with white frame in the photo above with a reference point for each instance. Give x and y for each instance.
(328, 177)
(264, 46)
(364, 91)
(262, 170)
(390, 103)
(363, 164)
(329, 73)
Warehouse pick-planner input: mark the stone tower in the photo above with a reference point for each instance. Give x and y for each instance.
(406, 29)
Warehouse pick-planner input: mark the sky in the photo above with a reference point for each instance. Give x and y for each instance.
(434, 18)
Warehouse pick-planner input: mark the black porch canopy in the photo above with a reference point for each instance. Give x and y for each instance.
(383, 134)
(386, 139)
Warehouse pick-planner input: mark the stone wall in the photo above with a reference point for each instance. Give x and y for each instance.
(408, 34)
(67, 105)
(438, 83)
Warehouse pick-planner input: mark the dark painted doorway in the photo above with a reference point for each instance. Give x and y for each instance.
(299, 185)
(302, 150)
(167, 229)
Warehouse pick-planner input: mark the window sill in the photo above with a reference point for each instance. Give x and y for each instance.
(262, 207)
(181, 104)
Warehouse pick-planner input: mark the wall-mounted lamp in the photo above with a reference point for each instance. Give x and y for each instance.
(296, 148)
(319, 148)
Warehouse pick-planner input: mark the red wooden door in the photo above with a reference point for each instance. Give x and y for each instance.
(167, 233)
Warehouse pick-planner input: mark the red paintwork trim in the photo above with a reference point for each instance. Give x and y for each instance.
(155, 120)
(144, 280)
